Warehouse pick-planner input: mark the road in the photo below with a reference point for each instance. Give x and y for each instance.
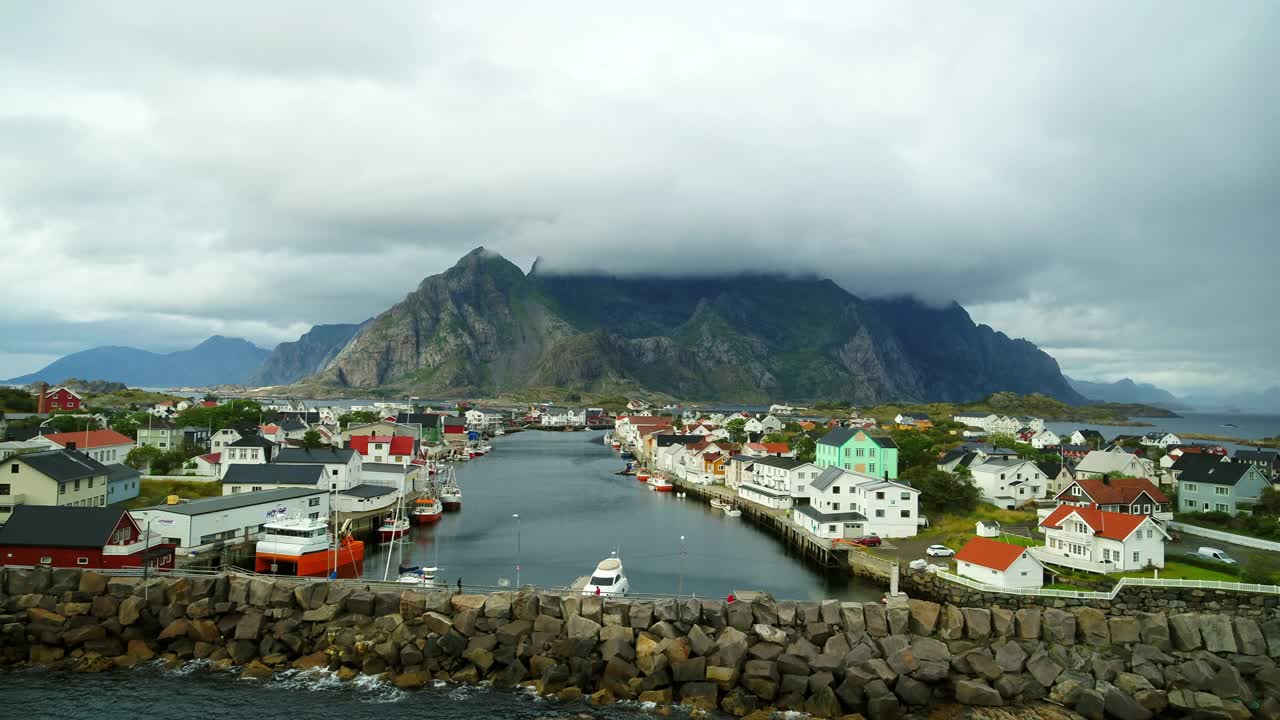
(1190, 543)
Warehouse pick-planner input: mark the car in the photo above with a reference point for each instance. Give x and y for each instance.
(939, 551)
(1209, 553)
(868, 541)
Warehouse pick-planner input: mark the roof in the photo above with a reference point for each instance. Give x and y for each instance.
(1210, 470)
(1110, 525)
(212, 458)
(837, 437)
(252, 441)
(63, 465)
(269, 429)
(784, 463)
(118, 472)
(223, 503)
(1098, 461)
(1118, 491)
(990, 553)
(1050, 469)
(1259, 455)
(91, 439)
(272, 474)
(328, 456)
(60, 526)
(367, 491)
(386, 467)
(399, 444)
(290, 423)
(813, 513)
(826, 477)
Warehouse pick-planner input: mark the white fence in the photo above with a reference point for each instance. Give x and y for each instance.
(1120, 586)
(1226, 537)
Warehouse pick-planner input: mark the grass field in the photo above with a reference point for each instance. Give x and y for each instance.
(1182, 571)
(153, 492)
(955, 530)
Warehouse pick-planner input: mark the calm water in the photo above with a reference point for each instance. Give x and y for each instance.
(1247, 426)
(149, 692)
(574, 510)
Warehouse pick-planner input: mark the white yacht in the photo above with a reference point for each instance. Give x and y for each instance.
(608, 579)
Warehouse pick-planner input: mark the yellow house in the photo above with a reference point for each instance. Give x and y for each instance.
(52, 477)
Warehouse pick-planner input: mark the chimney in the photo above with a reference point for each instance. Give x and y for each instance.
(42, 402)
(71, 445)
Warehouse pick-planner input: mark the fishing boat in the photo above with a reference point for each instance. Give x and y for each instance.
(642, 475)
(450, 493)
(733, 511)
(393, 527)
(660, 484)
(485, 448)
(303, 547)
(608, 580)
(720, 503)
(428, 510)
(615, 443)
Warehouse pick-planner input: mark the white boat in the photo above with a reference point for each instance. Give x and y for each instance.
(418, 576)
(680, 494)
(660, 484)
(393, 527)
(732, 511)
(608, 579)
(450, 493)
(720, 503)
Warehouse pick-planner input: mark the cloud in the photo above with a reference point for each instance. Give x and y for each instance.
(1097, 178)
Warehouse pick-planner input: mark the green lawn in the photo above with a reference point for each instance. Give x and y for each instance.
(153, 492)
(1062, 586)
(1182, 571)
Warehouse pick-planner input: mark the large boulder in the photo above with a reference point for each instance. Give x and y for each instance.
(1249, 638)
(924, 616)
(852, 619)
(1091, 626)
(1028, 623)
(1043, 668)
(1124, 630)
(977, 623)
(1218, 634)
(951, 623)
(1153, 630)
(1011, 657)
(876, 618)
(770, 634)
(1185, 631)
(1059, 626)
(580, 628)
(977, 692)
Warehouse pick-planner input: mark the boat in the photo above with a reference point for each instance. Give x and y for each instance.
(628, 455)
(720, 503)
(680, 494)
(303, 547)
(642, 475)
(733, 511)
(608, 580)
(393, 527)
(450, 493)
(660, 484)
(616, 445)
(485, 448)
(414, 575)
(427, 510)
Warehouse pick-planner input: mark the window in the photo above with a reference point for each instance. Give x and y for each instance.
(314, 516)
(861, 452)
(256, 488)
(871, 468)
(82, 561)
(45, 559)
(835, 506)
(13, 469)
(1188, 503)
(1221, 490)
(906, 513)
(1190, 487)
(879, 495)
(1220, 507)
(235, 489)
(879, 513)
(905, 496)
(90, 482)
(335, 472)
(313, 502)
(1135, 557)
(77, 488)
(831, 528)
(1075, 489)
(4, 489)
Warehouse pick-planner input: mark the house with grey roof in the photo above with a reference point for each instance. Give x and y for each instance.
(1009, 483)
(777, 482)
(847, 504)
(206, 525)
(52, 477)
(123, 483)
(253, 478)
(342, 465)
(1206, 483)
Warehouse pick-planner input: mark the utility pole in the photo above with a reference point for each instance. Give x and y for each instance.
(517, 517)
(680, 580)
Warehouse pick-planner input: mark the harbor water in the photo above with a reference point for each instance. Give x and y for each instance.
(574, 510)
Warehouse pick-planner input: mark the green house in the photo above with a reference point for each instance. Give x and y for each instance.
(858, 451)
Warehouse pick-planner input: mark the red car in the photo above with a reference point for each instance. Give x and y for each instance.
(868, 541)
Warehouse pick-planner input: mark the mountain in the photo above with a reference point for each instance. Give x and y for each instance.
(215, 361)
(1126, 391)
(1265, 401)
(289, 362)
(484, 327)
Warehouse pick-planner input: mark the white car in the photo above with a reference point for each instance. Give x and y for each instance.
(939, 551)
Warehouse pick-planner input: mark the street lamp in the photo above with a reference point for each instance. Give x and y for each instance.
(517, 517)
(680, 580)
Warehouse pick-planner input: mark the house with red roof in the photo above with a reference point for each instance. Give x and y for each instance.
(999, 563)
(763, 449)
(1094, 540)
(105, 446)
(389, 449)
(1132, 496)
(60, 399)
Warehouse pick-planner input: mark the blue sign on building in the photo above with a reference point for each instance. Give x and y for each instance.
(473, 435)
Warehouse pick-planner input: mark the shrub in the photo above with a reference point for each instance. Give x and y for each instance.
(1206, 563)
(1261, 569)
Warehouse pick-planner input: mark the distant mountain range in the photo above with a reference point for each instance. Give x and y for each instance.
(215, 361)
(1127, 391)
(484, 327)
(292, 361)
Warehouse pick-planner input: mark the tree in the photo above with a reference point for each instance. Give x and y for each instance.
(941, 491)
(129, 422)
(804, 447)
(67, 422)
(914, 448)
(737, 430)
(1268, 502)
(142, 458)
(677, 423)
(17, 400)
(209, 397)
(356, 417)
(233, 414)
(311, 439)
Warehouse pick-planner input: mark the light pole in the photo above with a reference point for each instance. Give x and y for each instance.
(680, 580)
(517, 517)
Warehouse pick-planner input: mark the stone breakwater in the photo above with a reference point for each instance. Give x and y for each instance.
(828, 659)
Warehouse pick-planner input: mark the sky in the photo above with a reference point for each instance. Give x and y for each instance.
(1100, 178)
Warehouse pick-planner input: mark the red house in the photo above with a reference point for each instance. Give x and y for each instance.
(86, 537)
(59, 399)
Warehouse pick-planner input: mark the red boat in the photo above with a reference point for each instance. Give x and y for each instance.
(660, 484)
(301, 547)
(427, 511)
(642, 475)
(392, 528)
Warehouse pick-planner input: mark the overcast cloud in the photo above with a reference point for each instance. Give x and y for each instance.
(1100, 178)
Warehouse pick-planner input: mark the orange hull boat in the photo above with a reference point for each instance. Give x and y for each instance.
(350, 562)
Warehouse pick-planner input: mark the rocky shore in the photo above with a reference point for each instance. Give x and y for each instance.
(829, 659)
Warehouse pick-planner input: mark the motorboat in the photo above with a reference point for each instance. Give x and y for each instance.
(450, 493)
(660, 484)
(608, 580)
(303, 547)
(414, 575)
(720, 503)
(680, 494)
(733, 511)
(393, 527)
(427, 510)
(642, 475)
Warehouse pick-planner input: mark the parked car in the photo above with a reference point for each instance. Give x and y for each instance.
(868, 541)
(1215, 554)
(939, 551)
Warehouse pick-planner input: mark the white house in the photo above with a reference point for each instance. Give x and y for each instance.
(846, 504)
(342, 465)
(250, 450)
(223, 438)
(771, 424)
(1098, 463)
(253, 478)
(974, 420)
(208, 465)
(1086, 538)
(753, 426)
(1044, 439)
(1009, 483)
(206, 524)
(777, 481)
(1160, 439)
(1000, 564)
(105, 446)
